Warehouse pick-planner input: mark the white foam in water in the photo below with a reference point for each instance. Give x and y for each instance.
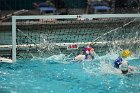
(97, 67)
(131, 58)
(59, 57)
(90, 67)
(106, 68)
(109, 56)
(100, 68)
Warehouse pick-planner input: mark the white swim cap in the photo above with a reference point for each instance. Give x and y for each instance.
(123, 67)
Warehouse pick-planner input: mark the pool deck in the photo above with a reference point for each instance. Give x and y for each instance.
(5, 60)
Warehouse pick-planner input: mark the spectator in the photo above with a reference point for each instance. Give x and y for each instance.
(48, 3)
(45, 7)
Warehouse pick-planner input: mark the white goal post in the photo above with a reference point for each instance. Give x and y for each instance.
(52, 18)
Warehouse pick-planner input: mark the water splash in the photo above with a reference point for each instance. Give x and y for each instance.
(104, 64)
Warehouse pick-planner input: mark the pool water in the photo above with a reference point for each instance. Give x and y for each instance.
(48, 76)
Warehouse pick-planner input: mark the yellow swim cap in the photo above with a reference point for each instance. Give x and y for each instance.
(126, 53)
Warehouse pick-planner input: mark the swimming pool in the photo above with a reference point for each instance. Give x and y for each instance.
(48, 76)
(59, 75)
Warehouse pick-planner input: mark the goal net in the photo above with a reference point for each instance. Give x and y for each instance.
(46, 35)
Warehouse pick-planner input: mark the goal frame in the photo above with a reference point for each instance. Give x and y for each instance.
(84, 16)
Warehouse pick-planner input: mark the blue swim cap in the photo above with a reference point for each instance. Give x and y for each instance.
(118, 62)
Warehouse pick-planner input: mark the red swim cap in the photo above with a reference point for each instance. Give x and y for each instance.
(89, 49)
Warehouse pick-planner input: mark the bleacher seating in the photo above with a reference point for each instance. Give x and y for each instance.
(99, 6)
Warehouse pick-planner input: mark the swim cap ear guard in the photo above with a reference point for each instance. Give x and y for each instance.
(126, 53)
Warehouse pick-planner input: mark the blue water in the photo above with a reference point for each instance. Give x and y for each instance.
(48, 76)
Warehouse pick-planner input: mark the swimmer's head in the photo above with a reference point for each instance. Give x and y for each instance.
(126, 53)
(124, 67)
(92, 52)
(92, 49)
